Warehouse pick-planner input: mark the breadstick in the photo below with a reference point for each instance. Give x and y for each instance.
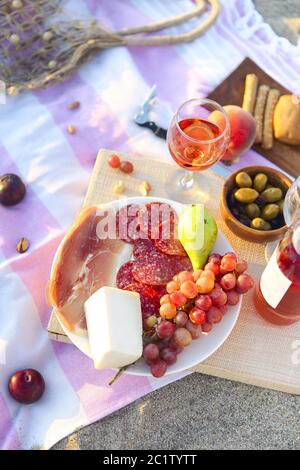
(273, 96)
(251, 83)
(259, 111)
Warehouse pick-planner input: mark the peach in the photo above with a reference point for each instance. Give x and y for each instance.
(242, 130)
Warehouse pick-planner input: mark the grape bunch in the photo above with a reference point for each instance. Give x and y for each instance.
(193, 304)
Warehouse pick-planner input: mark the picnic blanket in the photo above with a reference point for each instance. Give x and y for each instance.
(56, 166)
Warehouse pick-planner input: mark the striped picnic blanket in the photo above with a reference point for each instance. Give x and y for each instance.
(56, 167)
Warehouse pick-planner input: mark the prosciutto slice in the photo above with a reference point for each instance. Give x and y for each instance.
(84, 263)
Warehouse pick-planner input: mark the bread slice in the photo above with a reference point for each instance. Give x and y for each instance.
(287, 120)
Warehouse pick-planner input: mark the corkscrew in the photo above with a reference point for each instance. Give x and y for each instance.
(142, 117)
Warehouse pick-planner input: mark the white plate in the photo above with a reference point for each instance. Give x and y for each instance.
(201, 348)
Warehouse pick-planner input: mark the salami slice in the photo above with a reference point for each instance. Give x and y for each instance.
(152, 215)
(149, 297)
(168, 242)
(160, 270)
(127, 223)
(144, 249)
(124, 275)
(170, 247)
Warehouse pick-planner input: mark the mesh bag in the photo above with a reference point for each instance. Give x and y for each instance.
(40, 44)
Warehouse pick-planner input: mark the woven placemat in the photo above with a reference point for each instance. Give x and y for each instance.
(256, 352)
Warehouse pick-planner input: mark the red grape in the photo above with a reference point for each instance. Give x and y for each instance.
(184, 276)
(241, 267)
(178, 299)
(169, 356)
(233, 297)
(215, 258)
(114, 161)
(231, 254)
(189, 289)
(126, 167)
(228, 281)
(205, 284)
(172, 286)
(203, 302)
(197, 316)
(158, 369)
(214, 315)
(197, 274)
(244, 283)
(195, 330)
(174, 346)
(26, 386)
(165, 299)
(151, 353)
(206, 327)
(218, 297)
(167, 311)
(165, 329)
(209, 274)
(150, 322)
(214, 267)
(223, 309)
(182, 337)
(228, 264)
(181, 319)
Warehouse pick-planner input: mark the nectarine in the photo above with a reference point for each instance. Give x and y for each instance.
(242, 130)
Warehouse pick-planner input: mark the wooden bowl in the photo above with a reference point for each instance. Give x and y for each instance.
(277, 179)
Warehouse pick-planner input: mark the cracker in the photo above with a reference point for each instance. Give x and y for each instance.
(259, 111)
(251, 84)
(273, 97)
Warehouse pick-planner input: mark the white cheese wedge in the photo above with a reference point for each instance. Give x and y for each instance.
(114, 322)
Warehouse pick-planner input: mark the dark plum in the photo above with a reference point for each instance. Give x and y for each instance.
(12, 189)
(26, 386)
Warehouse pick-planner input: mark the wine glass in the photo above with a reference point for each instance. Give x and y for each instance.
(290, 208)
(197, 138)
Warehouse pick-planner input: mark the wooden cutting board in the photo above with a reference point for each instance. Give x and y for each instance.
(231, 91)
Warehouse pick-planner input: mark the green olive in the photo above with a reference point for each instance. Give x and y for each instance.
(280, 205)
(260, 224)
(246, 195)
(270, 211)
(272, 194)
(260, 182)
(243, 180)
(269, 186)
(252, 210)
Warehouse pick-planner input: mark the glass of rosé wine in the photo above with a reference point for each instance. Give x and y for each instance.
(197, 138)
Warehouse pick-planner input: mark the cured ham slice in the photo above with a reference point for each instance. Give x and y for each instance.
(84, 263)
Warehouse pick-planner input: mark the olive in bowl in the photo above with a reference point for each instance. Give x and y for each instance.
(252, 203)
